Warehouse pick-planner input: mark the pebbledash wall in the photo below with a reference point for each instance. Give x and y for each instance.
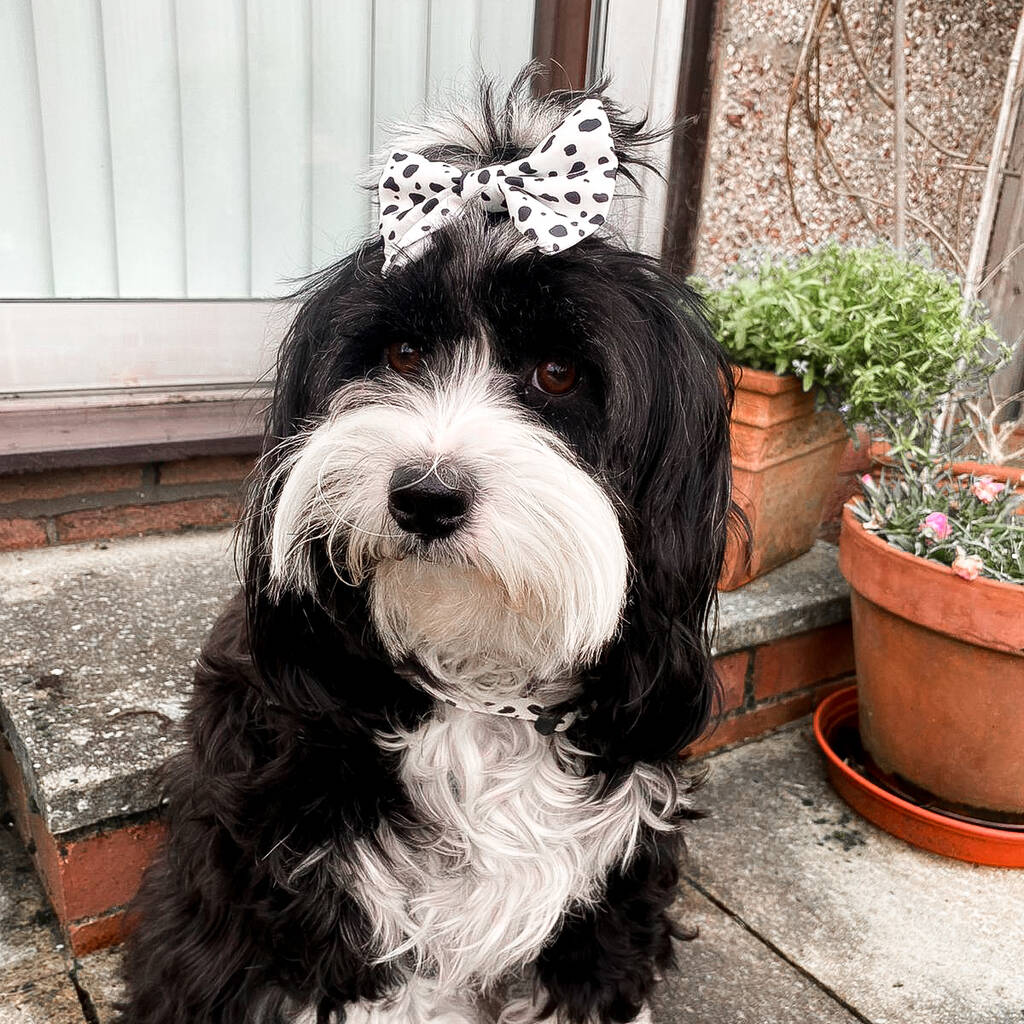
(957, 53)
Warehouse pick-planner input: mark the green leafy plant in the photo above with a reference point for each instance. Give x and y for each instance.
(884, 335)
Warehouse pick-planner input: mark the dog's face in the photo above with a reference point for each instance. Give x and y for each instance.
(456, 470)
(514, 463)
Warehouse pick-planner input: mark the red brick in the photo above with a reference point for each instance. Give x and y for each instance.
(86, 937)
(16, 534)
(135, 520)
(803, 660)
(103, 871)
(748, 725)
(732, 673)
(209, 469)
(58, 483)
(89, 880)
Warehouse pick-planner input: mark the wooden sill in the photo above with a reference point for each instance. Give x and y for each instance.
(107, 429)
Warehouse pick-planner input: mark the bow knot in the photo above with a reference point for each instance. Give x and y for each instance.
(556, 196)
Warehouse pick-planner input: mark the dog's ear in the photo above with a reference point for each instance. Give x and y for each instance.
(311, 363)
(656, 686)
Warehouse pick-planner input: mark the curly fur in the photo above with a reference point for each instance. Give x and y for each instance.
(342, 845)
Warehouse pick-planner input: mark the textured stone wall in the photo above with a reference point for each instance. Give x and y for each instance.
(956, 62)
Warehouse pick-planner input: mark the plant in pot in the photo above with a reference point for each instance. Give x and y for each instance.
(817, 339)
(934, 554)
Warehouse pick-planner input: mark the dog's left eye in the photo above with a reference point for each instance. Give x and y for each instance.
(554, 376)
(403, 357)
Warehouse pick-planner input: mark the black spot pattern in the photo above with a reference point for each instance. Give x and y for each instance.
(551, 219)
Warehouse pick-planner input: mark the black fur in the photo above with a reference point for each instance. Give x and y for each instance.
(281, 759)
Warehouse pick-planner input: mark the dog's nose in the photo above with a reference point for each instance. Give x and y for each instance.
(425, 504)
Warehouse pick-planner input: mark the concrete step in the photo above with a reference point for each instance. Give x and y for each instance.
(100, 641)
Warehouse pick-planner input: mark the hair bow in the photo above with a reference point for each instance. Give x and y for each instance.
(556, 196)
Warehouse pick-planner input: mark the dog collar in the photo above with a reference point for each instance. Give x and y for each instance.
(547, 719)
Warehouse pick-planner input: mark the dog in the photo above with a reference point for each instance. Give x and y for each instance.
(432, 768)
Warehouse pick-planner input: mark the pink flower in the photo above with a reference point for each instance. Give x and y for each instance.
(967, 567)
(867, 479)
(985, 489)
(936, 526)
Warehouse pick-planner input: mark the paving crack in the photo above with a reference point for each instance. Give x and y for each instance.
(780, 953)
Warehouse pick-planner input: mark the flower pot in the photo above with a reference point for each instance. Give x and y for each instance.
(784, 458)
(940, 671)
(835, 729)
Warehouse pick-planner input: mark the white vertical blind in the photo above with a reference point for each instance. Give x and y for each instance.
(197, 149)
(400, 47)
(26, 267)
(214, 84)
(73, 102)
(139, 44)
(279, 141)
(342, 104)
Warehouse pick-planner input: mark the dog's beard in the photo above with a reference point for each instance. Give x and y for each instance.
(529, 590)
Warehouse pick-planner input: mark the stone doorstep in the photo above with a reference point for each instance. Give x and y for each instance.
(101, 643)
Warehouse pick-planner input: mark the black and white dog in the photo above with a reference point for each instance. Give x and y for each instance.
(432, 765)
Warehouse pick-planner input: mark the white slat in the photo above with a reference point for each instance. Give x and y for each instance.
(279, 142)
(73, 102)
(399, 62)
(145, 143)
(452, 57)
(505, 39)
(342, 82)
(25, 267)
(215, 146)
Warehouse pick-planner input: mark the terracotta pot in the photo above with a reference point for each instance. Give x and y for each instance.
(940, 671)
(784, 458)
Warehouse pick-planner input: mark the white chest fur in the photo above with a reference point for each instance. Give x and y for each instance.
(507, 835)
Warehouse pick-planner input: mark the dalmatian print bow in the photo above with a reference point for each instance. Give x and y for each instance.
(556, 196)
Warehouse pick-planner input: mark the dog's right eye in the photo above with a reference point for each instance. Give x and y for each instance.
(403, 357)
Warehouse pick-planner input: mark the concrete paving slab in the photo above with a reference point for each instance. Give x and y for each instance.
(727, 976)
(28, 933)
(99, 641)
(100, 638)
(35, 986)
(99, 977)
(804, 594)
(902, 936)
(49, 1000)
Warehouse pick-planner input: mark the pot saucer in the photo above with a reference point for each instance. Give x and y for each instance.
(946, 832)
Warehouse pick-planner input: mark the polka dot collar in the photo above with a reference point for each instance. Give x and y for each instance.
(556, 196)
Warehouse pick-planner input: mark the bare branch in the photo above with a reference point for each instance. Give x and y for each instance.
(899, 154)
(881, 94)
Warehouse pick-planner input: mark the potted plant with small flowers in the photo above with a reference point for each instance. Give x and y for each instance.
(820, 339)
(934, 554)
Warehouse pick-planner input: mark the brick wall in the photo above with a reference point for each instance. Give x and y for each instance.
(767, 686)
(62, 506)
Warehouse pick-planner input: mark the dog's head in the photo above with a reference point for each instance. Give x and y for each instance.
(504, 467)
